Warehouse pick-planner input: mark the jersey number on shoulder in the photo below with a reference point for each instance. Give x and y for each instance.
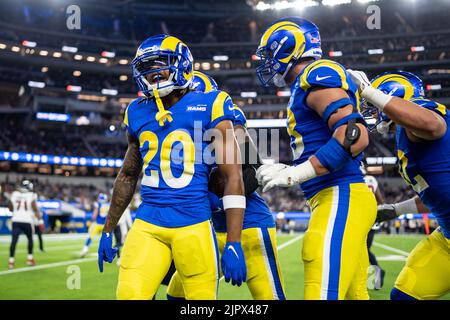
(420, 183)
(188, 159)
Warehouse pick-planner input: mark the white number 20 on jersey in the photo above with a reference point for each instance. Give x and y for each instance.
(188, 146)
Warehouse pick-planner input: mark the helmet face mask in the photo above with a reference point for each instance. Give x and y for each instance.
(163, 63)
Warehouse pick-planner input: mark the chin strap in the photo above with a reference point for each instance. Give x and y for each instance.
(162, 114)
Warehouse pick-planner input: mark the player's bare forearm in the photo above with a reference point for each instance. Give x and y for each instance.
(422, 122)
(228, 160)
(35, 208)
(421, 207)
(124, 185)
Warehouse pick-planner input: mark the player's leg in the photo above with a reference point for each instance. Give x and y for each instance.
(195, 254)
(175, 290)
(27, 228)
(359, 284)
(87, 244)
(12, 248)
(426, 274)
(146, 257)
(333, 244)
(37, 231)
(264, 278)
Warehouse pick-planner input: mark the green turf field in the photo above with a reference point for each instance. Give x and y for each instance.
(52, 277)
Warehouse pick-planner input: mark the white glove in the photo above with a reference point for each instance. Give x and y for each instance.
(287, 177)
(376, 97)
(269, 169)
(361, 80)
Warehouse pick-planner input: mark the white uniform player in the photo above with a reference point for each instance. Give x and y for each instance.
(22, 204)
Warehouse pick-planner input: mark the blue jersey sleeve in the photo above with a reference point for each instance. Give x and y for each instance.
(129, 116)
(239, 117)
(326, 74)
(431, 105)
(222, 108)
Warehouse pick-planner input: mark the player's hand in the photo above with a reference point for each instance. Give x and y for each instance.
(360, 78)
(269, 170)
(386, 212)
(105, 250)
(233, 263)
(287, 177)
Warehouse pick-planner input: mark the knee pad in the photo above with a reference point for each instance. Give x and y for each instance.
(396, 294)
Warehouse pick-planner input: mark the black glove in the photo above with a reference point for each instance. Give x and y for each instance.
(386, 212)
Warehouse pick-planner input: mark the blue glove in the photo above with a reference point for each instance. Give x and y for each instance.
(105, 250)
(233, 263)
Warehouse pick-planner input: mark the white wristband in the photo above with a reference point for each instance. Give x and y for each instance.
(407, 206)
(231, 202)
(376, 97)
(304, 172)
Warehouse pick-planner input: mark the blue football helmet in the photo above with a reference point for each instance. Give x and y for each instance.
(400, 84)
(160, 53)
(282, 45)
(203, 82)
(102, 198)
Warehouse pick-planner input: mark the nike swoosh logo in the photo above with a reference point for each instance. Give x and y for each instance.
(392, 91)
(230, 247)
(322, 78)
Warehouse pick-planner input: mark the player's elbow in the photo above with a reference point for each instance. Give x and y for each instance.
(435, 128)
(362, 143)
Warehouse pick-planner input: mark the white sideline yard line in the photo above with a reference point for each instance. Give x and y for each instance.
(51, 249)
(392, 249)
(47, 266)
(282, 246)
(49, 237)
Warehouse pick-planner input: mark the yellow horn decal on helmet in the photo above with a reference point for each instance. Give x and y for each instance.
(170, 43)
(409, 89)
(208, 85)
(162, 114)
(299, 43)
(297, 33)
(274, 28)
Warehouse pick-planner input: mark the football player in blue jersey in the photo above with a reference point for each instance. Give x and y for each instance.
(163, 141)
(328, 135)
(101, 208)
(264, 278)
(423, 150)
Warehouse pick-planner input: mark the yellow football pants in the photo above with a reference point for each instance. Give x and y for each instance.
(334, 247)
(426, 274)
(264, 278)
(148, 252)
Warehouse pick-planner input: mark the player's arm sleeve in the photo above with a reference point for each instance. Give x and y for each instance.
(128, 119)
(337, 91)
(222, 109)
